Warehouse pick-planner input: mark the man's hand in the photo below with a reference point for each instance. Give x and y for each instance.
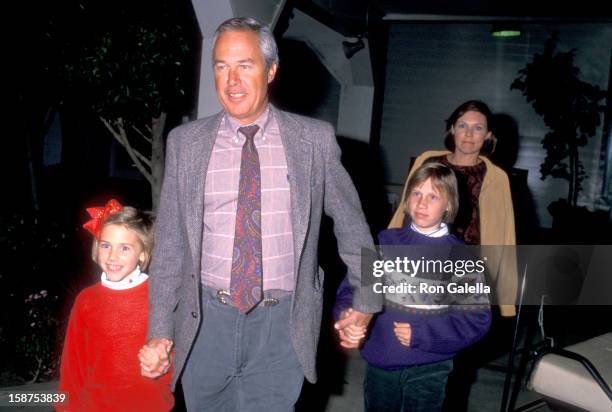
(154, 357)
(352, 327)
(403, 332)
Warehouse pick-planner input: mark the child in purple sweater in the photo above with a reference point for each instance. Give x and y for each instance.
(411, 346)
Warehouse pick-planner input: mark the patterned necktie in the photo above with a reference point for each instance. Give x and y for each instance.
(246, 288)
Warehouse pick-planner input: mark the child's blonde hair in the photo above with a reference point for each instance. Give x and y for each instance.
(140, 222)
(444, 180)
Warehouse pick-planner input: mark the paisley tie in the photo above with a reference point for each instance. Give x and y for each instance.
(246, 279)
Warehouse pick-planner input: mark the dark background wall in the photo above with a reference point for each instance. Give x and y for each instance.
(434, 67)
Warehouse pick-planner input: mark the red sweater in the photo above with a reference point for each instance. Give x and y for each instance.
(100, 368)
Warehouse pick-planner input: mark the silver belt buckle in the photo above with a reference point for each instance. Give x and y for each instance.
(223, 296)
(270, 302)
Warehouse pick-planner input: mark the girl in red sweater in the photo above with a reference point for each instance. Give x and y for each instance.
(100, 370)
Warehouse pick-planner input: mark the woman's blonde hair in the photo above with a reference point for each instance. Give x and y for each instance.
(140, 222)
(444, 180)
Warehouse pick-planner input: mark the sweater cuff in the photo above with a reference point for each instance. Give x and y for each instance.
(416, 340)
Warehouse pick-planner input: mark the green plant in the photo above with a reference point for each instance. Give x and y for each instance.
(34, 248)
(37, 345)
(132, 64)
(569, 107)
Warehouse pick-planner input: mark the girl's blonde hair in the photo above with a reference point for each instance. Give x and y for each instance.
(140, 222)
(444, 180)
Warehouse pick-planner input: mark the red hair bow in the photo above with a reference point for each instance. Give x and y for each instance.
(99, 215)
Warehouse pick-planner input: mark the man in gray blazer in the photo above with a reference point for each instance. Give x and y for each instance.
(230, 358)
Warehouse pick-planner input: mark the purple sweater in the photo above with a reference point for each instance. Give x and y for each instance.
(436, 335)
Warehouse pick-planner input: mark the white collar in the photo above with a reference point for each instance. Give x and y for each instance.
(130, 281)
(442, 231)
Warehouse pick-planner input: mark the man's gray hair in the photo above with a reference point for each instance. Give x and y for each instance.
(267, 43)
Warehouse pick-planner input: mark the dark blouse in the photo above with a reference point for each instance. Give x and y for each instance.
(469, 179)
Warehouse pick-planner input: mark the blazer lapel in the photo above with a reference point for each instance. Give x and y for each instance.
(298, 152)
(197, 158)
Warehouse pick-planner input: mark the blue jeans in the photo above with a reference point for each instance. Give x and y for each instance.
(414, 389)
(242, 362)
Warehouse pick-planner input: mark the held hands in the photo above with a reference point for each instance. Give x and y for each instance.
(154, 357)
(403, 332)
(352, 327)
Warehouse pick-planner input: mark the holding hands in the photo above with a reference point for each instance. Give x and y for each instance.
(352, 327)
(154, 358)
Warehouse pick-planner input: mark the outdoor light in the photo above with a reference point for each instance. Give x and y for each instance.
(352, 47)
(505, 30)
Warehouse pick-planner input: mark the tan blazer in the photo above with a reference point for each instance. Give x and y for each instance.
(496, 228)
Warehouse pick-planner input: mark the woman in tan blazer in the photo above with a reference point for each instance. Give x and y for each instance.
(486, 215)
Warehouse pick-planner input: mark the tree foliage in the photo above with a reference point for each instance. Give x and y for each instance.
(130, 62)
(569, 107)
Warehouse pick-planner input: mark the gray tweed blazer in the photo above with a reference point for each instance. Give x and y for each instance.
(318, 183)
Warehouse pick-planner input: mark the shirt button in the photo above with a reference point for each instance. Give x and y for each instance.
(195, 315)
